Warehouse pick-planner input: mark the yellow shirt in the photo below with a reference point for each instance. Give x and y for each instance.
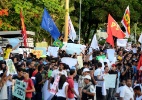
(7, 53)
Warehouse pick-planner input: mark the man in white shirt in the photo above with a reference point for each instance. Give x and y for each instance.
(56, 73)
(127, 92)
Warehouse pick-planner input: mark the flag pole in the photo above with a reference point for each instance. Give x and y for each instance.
(80, 22)
(66, 21)
(135, 31)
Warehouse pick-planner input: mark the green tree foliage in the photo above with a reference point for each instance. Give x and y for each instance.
(95, 12)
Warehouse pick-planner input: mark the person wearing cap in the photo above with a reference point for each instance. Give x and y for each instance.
(88, 91)
(81, 83)
(30, 86)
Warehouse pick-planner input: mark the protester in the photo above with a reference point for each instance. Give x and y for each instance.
(127, 92)
(138, 93)
(62, 89)
(30, 86)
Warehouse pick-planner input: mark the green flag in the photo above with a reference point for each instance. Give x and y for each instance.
(58, 43)
(100, 57)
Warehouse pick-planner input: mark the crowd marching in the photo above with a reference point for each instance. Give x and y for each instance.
(41, 75)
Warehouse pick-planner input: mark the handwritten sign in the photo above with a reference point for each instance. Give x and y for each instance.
(80, 61)
(11, 67)
(110, 80)
(38, 53)
(19, 89)
(54, 86)
(69, 61)
(110, 53)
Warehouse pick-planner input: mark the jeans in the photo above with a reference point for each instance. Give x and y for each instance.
(111, 93)
(38, 96)
(9, 92)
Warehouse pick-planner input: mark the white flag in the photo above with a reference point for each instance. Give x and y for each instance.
(94, 43)
(72, 33)
(140, 39)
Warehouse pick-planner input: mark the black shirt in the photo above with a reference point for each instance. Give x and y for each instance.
(18, 78)
(38, 78)
(31, 70)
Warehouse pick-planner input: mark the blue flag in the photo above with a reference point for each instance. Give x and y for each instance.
(49, 25)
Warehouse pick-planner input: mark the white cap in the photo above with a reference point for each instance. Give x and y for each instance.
(87, 77)
(86, 70)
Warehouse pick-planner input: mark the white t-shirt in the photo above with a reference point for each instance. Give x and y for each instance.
(119, 89)
(139, 98)
(55, 73)
(97, 72)
(127, 93)
(61, 92)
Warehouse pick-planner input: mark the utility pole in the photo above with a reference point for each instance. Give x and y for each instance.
(66, 21)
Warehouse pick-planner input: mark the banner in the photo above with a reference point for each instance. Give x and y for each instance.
(54, 86)
(110, 54)
(14, 42)
(69, 61)
(43, 49)
(11, 67)
(110, 80)
(122, 42)
(19, 89)
(38, 53)
(73, 48)
(53, 51)
(58, 43)
(42, 44)
(80, 61)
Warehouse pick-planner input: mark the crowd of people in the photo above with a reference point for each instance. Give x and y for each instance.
(36, 71)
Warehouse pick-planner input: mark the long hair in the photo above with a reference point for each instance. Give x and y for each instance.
(62, 81)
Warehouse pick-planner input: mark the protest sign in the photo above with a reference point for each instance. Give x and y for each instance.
(14, 42)
(110, 54)
(110, 80)
(42, 44)
(54, 86)
(129, 46)
(80, 61)
(53, 51)
(19, 89)
(122, 42)
(38, 53)
(11, 67)
(72, 48)
(76, 88)
(43, 49)
(69, 61)
(58, 43)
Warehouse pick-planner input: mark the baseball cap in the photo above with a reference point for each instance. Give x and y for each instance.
(113, 65)
(86, 70)
(87, 77)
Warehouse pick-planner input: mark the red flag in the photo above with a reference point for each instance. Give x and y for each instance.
(24, 34)
(109, 32)
(115, 28)
(140, 63)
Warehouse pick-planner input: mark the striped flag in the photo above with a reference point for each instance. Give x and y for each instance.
(24, 34)
(126, 21)
(71, 30)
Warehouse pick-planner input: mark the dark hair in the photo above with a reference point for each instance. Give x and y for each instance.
(105, 67)
(72, 71)
(99, 64)
(137, 88)
(79, 72)
(105, 63)
(19, 69)
(25, 52)
(40, 67)
(62, 81)
(8, 46)
(129, 64)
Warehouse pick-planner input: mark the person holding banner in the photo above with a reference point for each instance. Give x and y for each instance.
(8, 50)
(30, 86)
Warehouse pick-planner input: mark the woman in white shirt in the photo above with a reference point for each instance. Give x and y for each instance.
(62, 88)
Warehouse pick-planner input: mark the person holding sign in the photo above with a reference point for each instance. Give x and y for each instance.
(30, 86)
(8, 49)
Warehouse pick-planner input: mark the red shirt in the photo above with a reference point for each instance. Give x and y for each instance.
(34, 73)
(29, 83)
(71, 85)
